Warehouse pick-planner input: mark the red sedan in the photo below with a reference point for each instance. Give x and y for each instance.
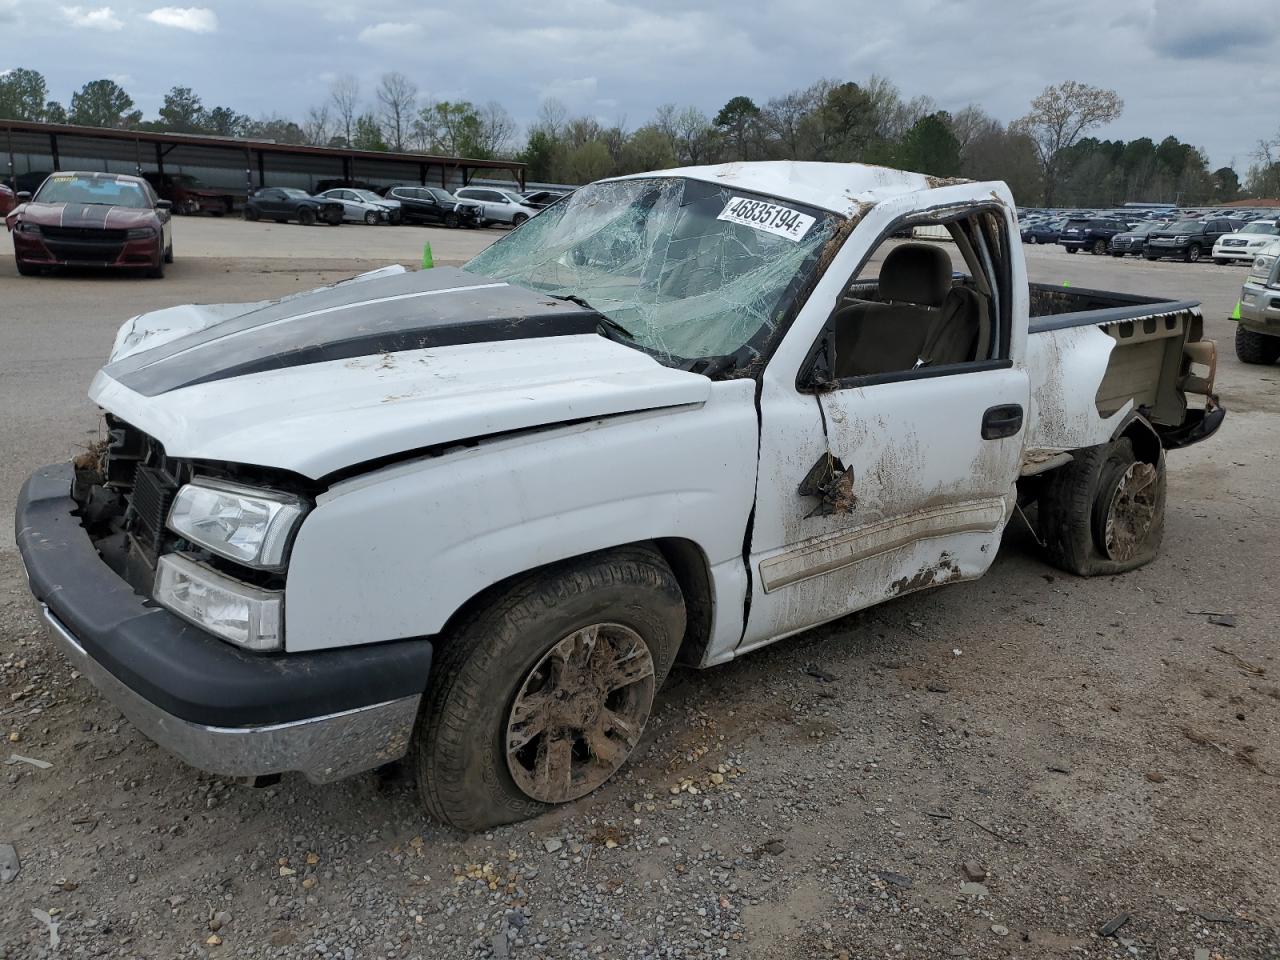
(92, 220)
(7, 202)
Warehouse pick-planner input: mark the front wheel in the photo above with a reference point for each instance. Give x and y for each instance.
(542, 693)
(26, 269)
(306, 216)
(1221, 261)
(371, 218)
(452, 220)
(168, 254)
(1117, 254)
(1193, 254)
(518, 219)
(1103, 513)
(1073, 249)
(1099, 247)
(1254, 347)
(251, 213)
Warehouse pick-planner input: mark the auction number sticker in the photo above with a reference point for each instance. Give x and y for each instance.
(769, 217)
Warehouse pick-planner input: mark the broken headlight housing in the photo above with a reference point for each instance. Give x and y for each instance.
(245, 524)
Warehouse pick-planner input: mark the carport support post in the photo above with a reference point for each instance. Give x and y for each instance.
(137, 156)
(248, 174)
(13, 175)
(262, 169)
(422, 174)
(53, 150)
(160, 162)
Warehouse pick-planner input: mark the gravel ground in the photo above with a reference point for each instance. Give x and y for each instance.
(1008, 768)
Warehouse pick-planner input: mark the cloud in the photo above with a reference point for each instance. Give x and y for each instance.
(194, 19)
(100, 18)
(8, 11)
(570, 92)
(1202, 30)
(389, 33)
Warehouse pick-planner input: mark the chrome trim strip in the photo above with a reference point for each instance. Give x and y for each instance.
(323, 748)
(845, 547)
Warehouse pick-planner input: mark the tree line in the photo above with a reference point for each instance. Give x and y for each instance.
(1047, 157)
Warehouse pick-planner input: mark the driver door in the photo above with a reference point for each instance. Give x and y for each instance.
(890, 481)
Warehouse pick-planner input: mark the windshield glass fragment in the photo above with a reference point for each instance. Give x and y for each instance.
(690, 269)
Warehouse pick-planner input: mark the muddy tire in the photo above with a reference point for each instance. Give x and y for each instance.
(1256, 347)
(542, 693)
(1103, 513)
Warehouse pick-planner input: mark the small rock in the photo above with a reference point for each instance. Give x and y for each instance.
(1059, 768)
(971, 889)
(663, 841)
(214, 940)
(999, 929)
(1114, 924)
(552, 844)
(974, 871)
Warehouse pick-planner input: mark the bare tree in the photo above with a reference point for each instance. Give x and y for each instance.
(497, 129)
(1059, 117)
(316, 127)
(695, 137)
(344, 94)
(552, 118)
(397, 97)
(789, 119)
(971, 122)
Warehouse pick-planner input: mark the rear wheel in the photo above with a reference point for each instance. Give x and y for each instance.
(518, 219)
(1251, 347)
(542, 693)
(1103, 513)
(1193, 253)
(251, 213)
(306, 216)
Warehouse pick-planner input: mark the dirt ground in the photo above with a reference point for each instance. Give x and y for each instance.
(1032, 765)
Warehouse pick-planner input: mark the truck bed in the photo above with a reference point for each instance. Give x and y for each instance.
(1144, 354)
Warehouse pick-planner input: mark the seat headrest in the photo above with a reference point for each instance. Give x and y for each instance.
(917, 273)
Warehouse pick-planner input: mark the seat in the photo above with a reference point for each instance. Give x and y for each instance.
(891, 334)
(957, 334)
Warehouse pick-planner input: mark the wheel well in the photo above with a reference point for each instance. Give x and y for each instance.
(1145, 440)
(684, 557)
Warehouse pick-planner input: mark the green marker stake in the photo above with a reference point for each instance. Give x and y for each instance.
(1066, 283)
(1235, 314)
(427, 261)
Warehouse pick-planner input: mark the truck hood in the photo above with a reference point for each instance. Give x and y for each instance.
(360, 371)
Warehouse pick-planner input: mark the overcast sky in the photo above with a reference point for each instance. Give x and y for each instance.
(1204, 70)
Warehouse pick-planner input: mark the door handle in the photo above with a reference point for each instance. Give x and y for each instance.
(1002, 421)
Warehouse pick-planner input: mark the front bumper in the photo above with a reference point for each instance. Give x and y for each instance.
(126, 254)
(1235, 253)
(326, 714)
(1260, 308)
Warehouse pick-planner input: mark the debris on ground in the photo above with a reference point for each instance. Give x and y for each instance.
(9, 864)
(39, 764)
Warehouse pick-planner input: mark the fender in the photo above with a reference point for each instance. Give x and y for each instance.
(394, 553)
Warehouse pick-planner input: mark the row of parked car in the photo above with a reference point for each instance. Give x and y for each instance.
(464, 207)
(1227, 239)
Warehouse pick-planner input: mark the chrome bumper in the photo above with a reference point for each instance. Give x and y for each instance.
(323, 749)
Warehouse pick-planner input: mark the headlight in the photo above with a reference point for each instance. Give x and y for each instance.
(245, 524)
(1181, 239)
(23, 227)
(247, 616)
(140, 233)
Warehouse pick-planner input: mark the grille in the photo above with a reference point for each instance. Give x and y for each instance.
(83, 234)
(153, 493)
(1234, 243)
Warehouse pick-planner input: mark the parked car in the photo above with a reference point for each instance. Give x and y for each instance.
(1133, 240)
(1043, 231)
(91, 220)
(1187, 239)
(1093, 234)
(363, 206)
(283, 204)
(498, 206)
(435, 205)
(540, 199)
(595, 465)
(189, 196)
(7, 200)
(1245, 243)
(1258, 327)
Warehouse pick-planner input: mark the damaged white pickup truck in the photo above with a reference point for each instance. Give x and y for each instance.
(478, 514)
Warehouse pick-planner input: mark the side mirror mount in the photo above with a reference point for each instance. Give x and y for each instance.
(164, 204)
(23, 196)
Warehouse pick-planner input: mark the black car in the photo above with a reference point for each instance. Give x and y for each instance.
(540, 199)
(1132, 241)
(1188, 240)
(1047, 231)
(282, 204)
(1093, 234)
(435, 205)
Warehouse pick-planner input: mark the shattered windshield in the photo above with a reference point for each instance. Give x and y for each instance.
(684, 268)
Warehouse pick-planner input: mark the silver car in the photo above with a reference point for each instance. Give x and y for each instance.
(364, 206)
(499, 206)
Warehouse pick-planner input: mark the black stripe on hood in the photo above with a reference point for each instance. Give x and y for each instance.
(411, 311)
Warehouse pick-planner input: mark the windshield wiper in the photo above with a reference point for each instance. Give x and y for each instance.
(603, 321)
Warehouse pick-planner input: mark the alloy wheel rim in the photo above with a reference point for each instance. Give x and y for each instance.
(1131, 512)
(579, 712)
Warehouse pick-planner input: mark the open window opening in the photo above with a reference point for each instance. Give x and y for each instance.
(933, 297)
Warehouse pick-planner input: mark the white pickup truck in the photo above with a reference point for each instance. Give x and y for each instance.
(477, 514)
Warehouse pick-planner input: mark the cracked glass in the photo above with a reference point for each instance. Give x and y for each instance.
(670, 262)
